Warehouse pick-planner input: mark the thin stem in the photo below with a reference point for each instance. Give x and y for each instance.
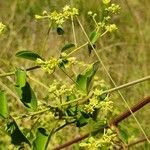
(10, 92)
(76, 140)
(7, 74)
(108, 74)
(127, 113)
(38, 82)
(64, 125)
(137, 142)
(73, 30)
(127, 84)
(13, 72)
(81, 101)
(46, 38)
(33, 114)
(78, 48)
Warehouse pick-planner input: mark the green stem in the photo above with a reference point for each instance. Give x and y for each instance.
(127, 85)
(108, 91)
(13, 72)
(73, 30)
(77, 48)
(7, 74)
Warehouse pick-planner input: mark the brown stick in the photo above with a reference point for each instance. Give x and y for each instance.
(115, 122)
(127, 113)
(75, 140)
(137, 142)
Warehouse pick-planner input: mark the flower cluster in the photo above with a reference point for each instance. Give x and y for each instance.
(59, 17)
(60, 92)
(58, 89)
(113, 8)
(63, 61)
(98, 99)
(46, 118)
(49, 66)
(104, 24)
(111, 27)
(91, 106)
(107, 141)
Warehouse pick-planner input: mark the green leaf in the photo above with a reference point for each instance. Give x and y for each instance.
(27, 96)
(28, 55)
(90, 48)
(97, 126)
(20, 77)
(90, 72)
(67, 46)
(63, 62)
(60, 31)
(40, 142)
(81, 121)
(123, 134)
(83, 80)
(3, 105)
(71, 111)
(17, 137)
(94, 36)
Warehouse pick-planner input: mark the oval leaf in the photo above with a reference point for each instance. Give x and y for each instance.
(20, 77)
(67, 46)
(28, 55)
(17, 137)
(81, 121)
(94, 36)
(3, 105)
(83, 80)
(60, 31)
(90, 48)
(27, 96)
(40, 142)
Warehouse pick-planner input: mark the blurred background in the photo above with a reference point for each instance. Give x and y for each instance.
(125, 53)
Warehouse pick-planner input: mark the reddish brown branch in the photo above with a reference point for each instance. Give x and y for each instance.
(115, 122)
(127, 113)
(75, 140)
(137, 142)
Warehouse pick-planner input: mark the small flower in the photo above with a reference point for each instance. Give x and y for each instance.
(49, 66)
(45, 12)
(111, 27)
(90, 13)
(2, 27)
(66, 8)
(106, 1)
(75, 11)
(94, 15)
(113, 8)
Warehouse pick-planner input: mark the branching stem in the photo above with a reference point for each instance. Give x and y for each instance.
(114, 122)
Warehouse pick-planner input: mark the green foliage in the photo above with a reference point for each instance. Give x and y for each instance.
(94, 36)
(81, 102)
(24, 90)
(27, 96)
(3, 105)
(28, 55)
(83, 80)
(17, 137)
(67, 47)
(40, 142)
